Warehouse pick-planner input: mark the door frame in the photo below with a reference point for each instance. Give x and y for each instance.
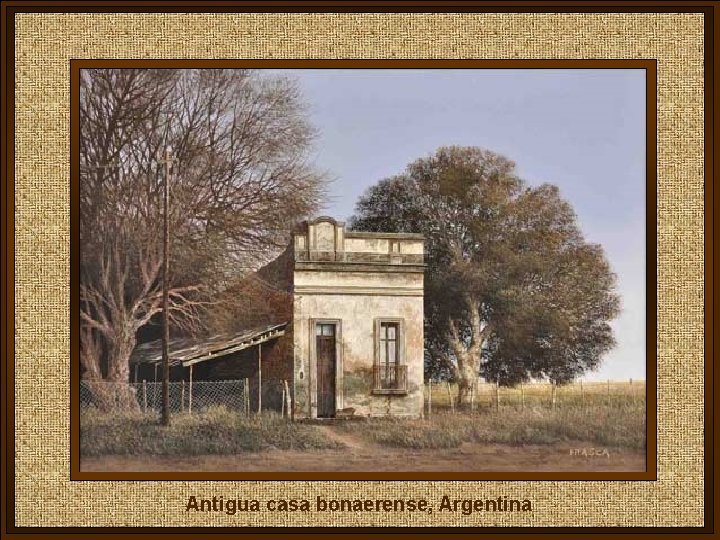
(339, 397)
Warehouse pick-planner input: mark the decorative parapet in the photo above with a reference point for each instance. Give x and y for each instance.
(359, 257)
(325, 240)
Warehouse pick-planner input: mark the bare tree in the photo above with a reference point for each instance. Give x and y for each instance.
(241, 180)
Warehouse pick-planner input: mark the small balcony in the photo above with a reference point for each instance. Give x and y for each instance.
(390, 379)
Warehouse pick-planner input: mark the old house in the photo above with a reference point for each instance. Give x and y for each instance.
(357, 322)
(347, 339)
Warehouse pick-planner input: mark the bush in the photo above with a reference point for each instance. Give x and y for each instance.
(216, 431)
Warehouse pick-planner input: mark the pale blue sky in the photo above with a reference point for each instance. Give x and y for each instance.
(583, 130)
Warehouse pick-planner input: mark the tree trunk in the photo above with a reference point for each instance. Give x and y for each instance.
(464, 392)
(467, 353)
(467, 372)
(114, 392)
(90, 353)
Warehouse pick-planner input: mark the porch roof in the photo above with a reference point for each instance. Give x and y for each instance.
(187, 351)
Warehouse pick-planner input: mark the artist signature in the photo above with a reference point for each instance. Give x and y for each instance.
(590, 452)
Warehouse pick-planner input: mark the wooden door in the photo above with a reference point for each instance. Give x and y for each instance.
(325, 349)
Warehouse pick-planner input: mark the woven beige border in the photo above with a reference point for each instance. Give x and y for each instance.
(45, 44)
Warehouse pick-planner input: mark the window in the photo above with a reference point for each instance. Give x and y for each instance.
(394, 246)
(389, 368)
(388, 347)
(326, 330)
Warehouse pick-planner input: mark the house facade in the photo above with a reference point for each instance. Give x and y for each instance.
(357, 322)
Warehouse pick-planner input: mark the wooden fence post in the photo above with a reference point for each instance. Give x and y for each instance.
(429, 398)
(182, 396)
(553, 395)
(259, 377)
(472, 395)
(288, 401)
(452, 404)
(282, 403)
(497, 395)
(144, 395)
(582, 394)
(522, 397)
(190, 392)
(246, 396)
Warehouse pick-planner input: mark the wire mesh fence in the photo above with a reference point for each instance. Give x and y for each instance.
(188, 397)
(443, 395)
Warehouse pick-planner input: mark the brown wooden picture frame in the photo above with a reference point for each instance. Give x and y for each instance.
(651, 207)
(711, 12)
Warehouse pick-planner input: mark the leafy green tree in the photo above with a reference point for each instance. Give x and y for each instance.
(513, 290)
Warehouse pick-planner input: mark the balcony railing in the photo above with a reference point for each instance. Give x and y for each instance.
(390, 379)
(359, 257)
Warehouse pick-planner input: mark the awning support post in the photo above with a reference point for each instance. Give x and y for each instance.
(190, 395)
(259, 377)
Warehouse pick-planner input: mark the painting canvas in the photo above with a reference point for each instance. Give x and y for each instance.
(362, 270)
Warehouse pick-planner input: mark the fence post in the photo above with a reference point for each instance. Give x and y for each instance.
(190, 392)
(144, 395)
(553, 396)
(472, 395)
(429, 398)
(582, 394)
(522, 397)
(288, 400)
(452, 404)
(282, 402)
(497, 395)
(259, 377)
(246, 396)
(182, 396)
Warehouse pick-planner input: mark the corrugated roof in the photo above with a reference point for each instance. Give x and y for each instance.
(188, 351)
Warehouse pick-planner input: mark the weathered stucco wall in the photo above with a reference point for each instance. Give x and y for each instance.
(380, 245)
(354, 294)
(357, 314)
(403, 282)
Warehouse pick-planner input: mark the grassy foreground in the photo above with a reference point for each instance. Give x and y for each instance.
(621, 426)
(217, 431)
(220, 431)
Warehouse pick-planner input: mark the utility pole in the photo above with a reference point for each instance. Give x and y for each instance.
(165, 318)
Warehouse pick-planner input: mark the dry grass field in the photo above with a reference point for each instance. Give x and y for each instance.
(603, 393)
(588, 431)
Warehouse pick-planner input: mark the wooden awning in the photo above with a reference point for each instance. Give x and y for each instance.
(187, 352)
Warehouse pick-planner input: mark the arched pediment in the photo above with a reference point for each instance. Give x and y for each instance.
(326, 219)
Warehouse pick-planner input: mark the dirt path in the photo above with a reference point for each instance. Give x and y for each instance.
(353, 443)
(359, 455)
